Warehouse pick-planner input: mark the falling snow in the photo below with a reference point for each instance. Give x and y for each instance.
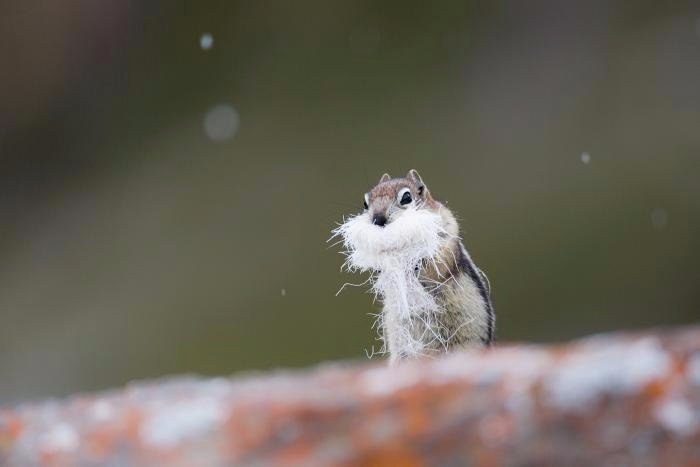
(221, 122)
(206, 41)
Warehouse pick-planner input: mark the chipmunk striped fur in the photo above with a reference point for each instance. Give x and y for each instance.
(435, 299)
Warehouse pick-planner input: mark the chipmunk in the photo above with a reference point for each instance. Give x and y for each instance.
(435, 298)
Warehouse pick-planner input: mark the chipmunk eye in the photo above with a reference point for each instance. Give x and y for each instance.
(405, 197)
(366, 203)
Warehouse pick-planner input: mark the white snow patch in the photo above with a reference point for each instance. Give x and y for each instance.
(383, 381)
(601, 369)
(61, 438)
(169, 425)
(102, 411)
(677, 415)
(520, 365)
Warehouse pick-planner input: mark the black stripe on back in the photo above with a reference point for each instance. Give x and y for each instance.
(467, 266)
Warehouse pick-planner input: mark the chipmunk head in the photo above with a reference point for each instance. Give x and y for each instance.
(400, 226)
(391, 196)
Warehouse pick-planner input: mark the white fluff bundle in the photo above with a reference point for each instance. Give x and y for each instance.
(392, 254)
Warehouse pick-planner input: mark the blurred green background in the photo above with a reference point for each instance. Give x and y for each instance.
(171, 172)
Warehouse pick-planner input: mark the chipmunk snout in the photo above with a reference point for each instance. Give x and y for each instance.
(379, 219)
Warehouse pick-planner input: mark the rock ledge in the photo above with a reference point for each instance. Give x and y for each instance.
(622, 399)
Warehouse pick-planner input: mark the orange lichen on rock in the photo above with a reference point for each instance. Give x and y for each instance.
(625, 399)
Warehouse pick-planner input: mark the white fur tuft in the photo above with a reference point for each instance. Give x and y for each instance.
(392, 254)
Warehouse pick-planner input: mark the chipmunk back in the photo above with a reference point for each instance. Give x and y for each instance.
(434, 297)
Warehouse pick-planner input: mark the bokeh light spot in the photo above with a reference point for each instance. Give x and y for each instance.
(221, 122)
(206, 41)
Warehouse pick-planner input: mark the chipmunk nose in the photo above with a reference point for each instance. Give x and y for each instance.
(379, 219)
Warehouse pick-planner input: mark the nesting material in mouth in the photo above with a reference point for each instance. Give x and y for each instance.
(414, 235)
(392, 255)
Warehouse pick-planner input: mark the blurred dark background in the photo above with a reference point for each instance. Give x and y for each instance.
(170, 173)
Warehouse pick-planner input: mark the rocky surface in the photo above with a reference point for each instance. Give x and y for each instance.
(616, 399)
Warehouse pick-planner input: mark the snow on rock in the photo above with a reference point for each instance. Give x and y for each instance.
(600, 370)
(618, 399)
(171, 424)
(678, 416)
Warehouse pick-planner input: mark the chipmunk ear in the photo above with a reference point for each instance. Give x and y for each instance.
(384, 178)
(415, 177)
